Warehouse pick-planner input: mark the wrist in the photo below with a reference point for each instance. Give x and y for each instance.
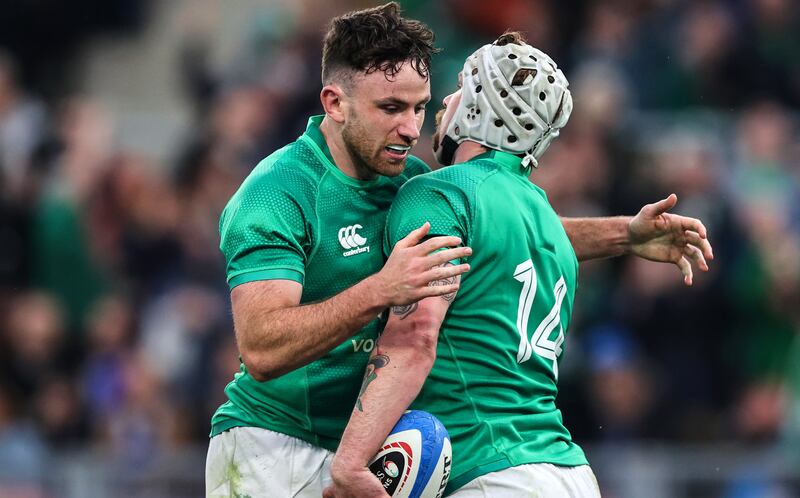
(626, 235)
(617, 236)
(371, 295)
(344, 463)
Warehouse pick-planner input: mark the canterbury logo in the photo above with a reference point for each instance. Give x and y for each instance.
(348, 237)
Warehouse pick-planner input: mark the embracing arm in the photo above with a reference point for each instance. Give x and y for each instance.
(276, 334)
(399, 365)
(653, 234)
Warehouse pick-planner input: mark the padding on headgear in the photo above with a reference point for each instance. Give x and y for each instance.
(513, 98)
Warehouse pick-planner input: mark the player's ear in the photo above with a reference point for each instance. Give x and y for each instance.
(334, 102)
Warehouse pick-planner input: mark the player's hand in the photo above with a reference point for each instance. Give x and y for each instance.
(358, 483)
(660, 236)
(413, 264)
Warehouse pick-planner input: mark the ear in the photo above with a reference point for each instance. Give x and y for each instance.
(334, 102)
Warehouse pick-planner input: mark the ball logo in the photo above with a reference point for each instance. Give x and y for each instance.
(415, 460)
(391, 468)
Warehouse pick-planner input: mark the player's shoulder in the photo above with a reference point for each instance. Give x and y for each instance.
(294, 163)
(291, 170)
(464, 177)
(434, 187)
(415, 167)
(281, 181)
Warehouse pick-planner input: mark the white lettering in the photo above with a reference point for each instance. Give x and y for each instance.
(356, 251)
(362, 345)
(540, 343)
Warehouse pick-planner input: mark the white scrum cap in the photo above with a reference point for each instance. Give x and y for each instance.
(514, 98)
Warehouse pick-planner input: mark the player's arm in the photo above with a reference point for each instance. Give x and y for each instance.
(398, 367)
(653, 234)
(276, 334)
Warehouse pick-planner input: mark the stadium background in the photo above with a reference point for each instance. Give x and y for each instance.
(125, 125)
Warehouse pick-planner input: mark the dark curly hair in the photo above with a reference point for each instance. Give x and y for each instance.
(375, 39)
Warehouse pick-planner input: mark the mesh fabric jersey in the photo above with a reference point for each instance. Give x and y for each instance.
(298, 217)
(494, 382)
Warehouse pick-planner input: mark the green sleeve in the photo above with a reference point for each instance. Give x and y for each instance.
(265, 233)
(426, 198)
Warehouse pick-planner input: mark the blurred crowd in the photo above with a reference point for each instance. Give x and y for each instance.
(115, 328)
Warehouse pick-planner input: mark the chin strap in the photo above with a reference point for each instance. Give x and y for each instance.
(529, 160)
(449, 147)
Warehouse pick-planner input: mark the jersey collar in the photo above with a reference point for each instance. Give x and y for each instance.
(317, 139)
(508, 161)
(313, 132)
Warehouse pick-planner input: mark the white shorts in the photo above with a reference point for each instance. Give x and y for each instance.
(542, 480)
(248, 461)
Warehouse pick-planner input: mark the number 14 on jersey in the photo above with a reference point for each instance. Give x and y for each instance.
(540, 342)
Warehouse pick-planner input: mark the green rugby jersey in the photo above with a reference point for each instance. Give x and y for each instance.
(298, 217)
(493, 384)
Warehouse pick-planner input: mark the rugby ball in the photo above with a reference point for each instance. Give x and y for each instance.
(415, 460)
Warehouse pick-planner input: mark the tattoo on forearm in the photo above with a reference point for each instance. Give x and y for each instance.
(445, 281)
(405, 310)
(375, 363)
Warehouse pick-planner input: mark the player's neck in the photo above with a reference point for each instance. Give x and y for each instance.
(467, 150)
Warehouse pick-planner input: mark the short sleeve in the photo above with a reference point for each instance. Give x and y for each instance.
(425, 198)
(264, 234)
